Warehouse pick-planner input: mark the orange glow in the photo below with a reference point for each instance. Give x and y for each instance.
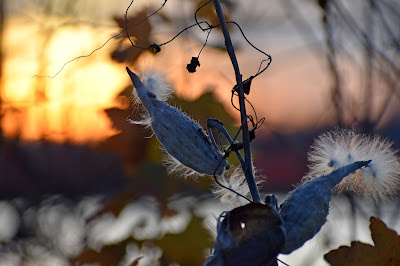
(281, 94)
(68, 106)
(292, 94)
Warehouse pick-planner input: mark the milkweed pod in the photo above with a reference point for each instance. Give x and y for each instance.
(380, 180)
(180, 135)
(252, 234)
(304, 212)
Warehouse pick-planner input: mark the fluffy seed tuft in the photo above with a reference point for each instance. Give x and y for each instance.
(175, 167)
(155, 83)
(332, 150)
(236, 181)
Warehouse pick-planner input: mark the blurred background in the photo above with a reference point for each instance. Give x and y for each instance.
(79, 185)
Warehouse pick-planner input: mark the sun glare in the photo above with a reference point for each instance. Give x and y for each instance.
(67, 107)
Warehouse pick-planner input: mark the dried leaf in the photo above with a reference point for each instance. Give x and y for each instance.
(208, 12)
(386, 240)
(385, 252)
(138, 33)
(137, 25)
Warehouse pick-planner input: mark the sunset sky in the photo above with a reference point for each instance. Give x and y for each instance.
(60, 140)
(293, 94)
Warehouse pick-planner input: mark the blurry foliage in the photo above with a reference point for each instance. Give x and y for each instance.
(204, 107)
(140, 35)
(176, 247)
(31, 170)
(150, 180)
(135, 261)
(184, 248)
(385, 252)
(108, 255)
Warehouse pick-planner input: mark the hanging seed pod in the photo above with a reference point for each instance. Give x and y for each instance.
(252, 234)
(180, 135)
(304, 212)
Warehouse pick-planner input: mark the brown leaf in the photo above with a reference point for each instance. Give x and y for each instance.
(139, 30)
(385, 252)
(134, 28)
(357, 254)
(130, 54)
(386, 241)
(208, 12)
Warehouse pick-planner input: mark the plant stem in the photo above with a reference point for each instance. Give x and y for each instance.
(248, 169)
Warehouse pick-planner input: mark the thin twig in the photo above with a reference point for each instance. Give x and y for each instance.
(362, 36)
(213, 123)
(248, 170)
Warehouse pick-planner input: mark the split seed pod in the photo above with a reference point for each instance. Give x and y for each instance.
(380, 180)
(180, 135)
(304, 212)
(252, 234)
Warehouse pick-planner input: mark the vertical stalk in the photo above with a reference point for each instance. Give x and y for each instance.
(247, 168)
(2, 20)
